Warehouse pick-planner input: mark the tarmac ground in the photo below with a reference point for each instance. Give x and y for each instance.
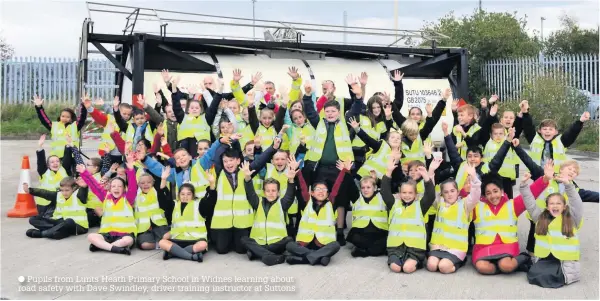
(66, 269)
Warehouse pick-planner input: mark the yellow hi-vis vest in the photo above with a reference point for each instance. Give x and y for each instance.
(553, 187)
(340, 100)
(270, 228)
(190, 225)
(193, 127)
(130, 134)
(71, 208)
(342, 142)
(50, 180)
(307, 130)
(451, 226)
(461, 176)
(232, 209)
(283, 184)
(117, 217)
(105, 139)
(321, 226)
(93, 201)
(59, 134)
(373, 131)
(238, 93)
(266, 136)
(558, 151)
(507, 169)
(562, 247)
(374, 212)
(199, 178)
(246, 132)
(487, 225)
(407, 226)
(462, 151)
(414, 152)
(147, 209)
(295, 92)
(377, 161)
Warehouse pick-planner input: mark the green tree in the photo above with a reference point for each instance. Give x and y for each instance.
(486, 36)
(6, 50)
(571, 39)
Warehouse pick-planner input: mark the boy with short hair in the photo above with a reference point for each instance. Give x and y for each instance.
(466, 133)
(507, 171)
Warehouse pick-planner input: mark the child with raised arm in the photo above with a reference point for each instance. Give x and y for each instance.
(51, 170)
(557, 248)
(118, 228)
(269, 235)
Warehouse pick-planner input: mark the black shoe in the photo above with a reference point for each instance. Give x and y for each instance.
(325, 260)
(270, 260)
(524, 261)
(341, 239)
(34, 233)
(93, 248)
(358, 252)
(167, 255)
(294, 260)
(250, 255)
(197, 257)
(120, 250)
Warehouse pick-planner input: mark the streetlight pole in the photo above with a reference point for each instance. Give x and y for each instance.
(542, 21)
(253, 20)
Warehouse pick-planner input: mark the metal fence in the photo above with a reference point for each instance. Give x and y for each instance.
(54, 79)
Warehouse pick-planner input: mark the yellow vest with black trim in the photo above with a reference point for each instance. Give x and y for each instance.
(507, 169)
(147, 210)
(269, 228)
(451, 226)
(413, 153)
(342, 142)
(561, 246)
(93, 201)
(488, 225)
(50, 180)
(130, 134)
(373, 131)
(462, 151)
(321, 226)
(193, 127)
(59, 134)
(374, 212)
(377, 161)
(105, 139)
(406, 226)
(307, 131)
(559, 151)
(340, 100)
(71, 208)
(283, 184)
(232, 209)
(117, 217)
(190, 225)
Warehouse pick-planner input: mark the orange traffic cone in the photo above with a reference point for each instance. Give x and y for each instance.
(25, 205)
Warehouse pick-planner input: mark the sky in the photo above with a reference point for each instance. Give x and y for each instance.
(53, 28)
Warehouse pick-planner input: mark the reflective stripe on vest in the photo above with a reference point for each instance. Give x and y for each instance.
(198, 178)
(374, 212)
(507, 169)
(190, 225)
(232, 208)
(130, 134)
(462, 151)
(271, 228)
(342, 142)
(59, 134)
(558, 151)
(561, 246)
(487, 225)
(50, 180)
(266, 136)
(451, 226)
(72, 208)
(406, 226)
(461, 176)
(193, 127)
(117, 217)
(372, 131)
(282, 178)
(93, 201)
(321, 226)
(147, 209)
(377, 161)
(105, 139)
(414, 152)
(308, 131)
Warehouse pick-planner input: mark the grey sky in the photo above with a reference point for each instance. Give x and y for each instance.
(52, 28)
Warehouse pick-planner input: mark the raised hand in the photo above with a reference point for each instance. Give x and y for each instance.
(257, 140)
(165, 75)
(276, 143)
(387, 110)
(459, 129)
(470, 170)
(246, 170)
(494, 110)
(256, 77)
(526, 177)
(292, 163)
(341, 165)
(116, 103)
(392, 164)
(423, 172)
(284, 128)
(445, 128)
(308, 88)
(69, 139)
(237, 75)
(428, 148)
(141, 100)
(350, 80)
(291, 173)
(516, 142)
(114, 167)
(386, 97)
(225, 140)
(211, 180)
(493, 99)
(80, 168)
(585, 117)
(175, 83)
(397, 76)
(166, 172)
(364, 77)
(524, 105)
(130, 159)
(446, 94)
(357, 90)
(455, 104)
(38, 101)
(293, 73)
(549, 170)
(373, 174)
(511, 135)
(429, 109)
(25, 188)
(435, 164)
(354, 124)
(562, 178)
(285, 96)
(235, 136)
(80, 182)
(41, 141)
(160, 129)
(483, 103)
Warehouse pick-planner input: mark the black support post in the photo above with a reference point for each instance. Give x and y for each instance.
(463, 76)
(138, 68)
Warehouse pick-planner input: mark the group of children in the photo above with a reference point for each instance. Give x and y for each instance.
(271, 174)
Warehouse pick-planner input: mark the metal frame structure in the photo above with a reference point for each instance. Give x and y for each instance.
(157, 50)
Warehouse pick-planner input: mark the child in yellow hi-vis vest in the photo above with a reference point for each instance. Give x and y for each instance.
(118, 228)
(269, 235)
(150, 218)
(467, 132)
(407, 238)
(557, 248)
(51, 171)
